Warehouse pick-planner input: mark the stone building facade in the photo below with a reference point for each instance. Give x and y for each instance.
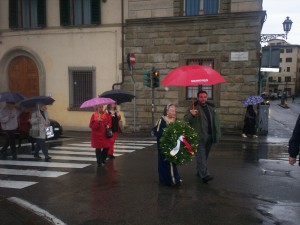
(161, 35)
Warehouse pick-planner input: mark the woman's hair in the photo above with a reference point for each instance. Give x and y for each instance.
(166, 109)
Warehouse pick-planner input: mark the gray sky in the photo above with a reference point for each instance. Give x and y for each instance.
(277, 11)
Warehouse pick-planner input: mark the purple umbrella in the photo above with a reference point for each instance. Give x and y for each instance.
(11, 97)
(253, 100)
(97, 101)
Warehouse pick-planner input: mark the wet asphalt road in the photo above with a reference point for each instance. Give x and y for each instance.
(253, 185)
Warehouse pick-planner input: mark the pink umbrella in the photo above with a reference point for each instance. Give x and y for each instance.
(192, 75)
(97, 101)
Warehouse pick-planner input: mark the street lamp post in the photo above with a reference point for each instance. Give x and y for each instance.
(287, 25)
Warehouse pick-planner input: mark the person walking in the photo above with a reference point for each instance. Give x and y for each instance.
(249, 122)
(167, 171)
(39, 121)
(99, 121)
(115, 118)
(9, 124)
(294, 143)
(204, 118)
(24, 126)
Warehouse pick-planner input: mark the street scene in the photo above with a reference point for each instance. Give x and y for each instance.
(159, 112)
(254, 184)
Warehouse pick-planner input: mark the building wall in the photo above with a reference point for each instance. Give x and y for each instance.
(166, 43)
(56, 48)
(278, 87)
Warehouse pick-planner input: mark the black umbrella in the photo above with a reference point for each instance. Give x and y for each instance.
(11, 97)
(35, 100)
(120, 96)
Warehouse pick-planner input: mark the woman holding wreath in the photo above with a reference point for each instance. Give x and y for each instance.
(167, 171)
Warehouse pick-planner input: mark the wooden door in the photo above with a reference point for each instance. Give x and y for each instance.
(23, 76)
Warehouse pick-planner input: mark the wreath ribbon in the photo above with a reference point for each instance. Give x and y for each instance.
(175, 150)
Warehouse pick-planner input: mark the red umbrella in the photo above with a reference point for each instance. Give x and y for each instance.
(192, 75)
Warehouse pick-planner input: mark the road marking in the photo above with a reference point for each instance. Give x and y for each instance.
(128, 141)
(59, 152)
(90, 151)
(90, 148)
(35, 173)
(93, 159)
(42, 164)
(35, 209)
(15, 184)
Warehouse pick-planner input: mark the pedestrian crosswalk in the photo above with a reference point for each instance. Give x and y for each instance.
(64, 160)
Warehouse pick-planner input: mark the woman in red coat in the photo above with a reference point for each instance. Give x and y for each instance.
(98, 123)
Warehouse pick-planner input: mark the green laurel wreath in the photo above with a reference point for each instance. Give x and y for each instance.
(169, 138)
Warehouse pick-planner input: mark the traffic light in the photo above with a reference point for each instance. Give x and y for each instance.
(155, 78)
(147, 79)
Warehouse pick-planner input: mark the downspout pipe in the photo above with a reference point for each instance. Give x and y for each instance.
(122, 33)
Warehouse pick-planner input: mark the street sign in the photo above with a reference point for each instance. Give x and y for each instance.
(131, 59)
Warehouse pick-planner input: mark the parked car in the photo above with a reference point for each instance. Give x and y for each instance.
(57, 129)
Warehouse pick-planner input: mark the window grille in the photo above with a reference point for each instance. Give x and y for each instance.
(191, 91)
(82, 86)
(288, 60)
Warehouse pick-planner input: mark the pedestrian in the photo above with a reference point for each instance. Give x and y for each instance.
(249, 122)
(204, 118)
(100, 120)
(39, 121)
(111, 109)
(9, 124)
(24, 126)
(167, 171)
(294, 143)
(293, 98)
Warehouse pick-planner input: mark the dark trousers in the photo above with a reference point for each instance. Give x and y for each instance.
(9, 141)
(41, 144)
(202, 156)
(101, 154)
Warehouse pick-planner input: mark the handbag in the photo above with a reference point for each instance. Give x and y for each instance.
(49, 132)
(34, 132)
(109, 132)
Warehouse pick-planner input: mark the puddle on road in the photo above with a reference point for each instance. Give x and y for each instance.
(280, 213)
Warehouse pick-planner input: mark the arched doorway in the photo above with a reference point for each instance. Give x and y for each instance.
(23, 76)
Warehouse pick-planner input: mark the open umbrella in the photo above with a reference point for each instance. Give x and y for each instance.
(192, 75)
(11, 97)
(97, 101)
(35, 100)
(120, 96)
(253, 100)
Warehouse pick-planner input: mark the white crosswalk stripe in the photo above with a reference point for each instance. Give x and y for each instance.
(70, 156)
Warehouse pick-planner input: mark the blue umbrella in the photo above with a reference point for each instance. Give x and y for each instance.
(11, 97)
(36, 100)
(253, 100)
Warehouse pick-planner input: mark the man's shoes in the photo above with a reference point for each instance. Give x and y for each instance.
(111, 157)
(47, 158)
(37, 156)
(3, 155)
(207, 178)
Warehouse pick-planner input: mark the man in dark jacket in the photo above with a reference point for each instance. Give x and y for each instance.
(294, 143)
(204, 118)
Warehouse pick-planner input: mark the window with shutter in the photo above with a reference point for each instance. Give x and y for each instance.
(211, 7)
(27, 14)
(201, 7)
(80, 12)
